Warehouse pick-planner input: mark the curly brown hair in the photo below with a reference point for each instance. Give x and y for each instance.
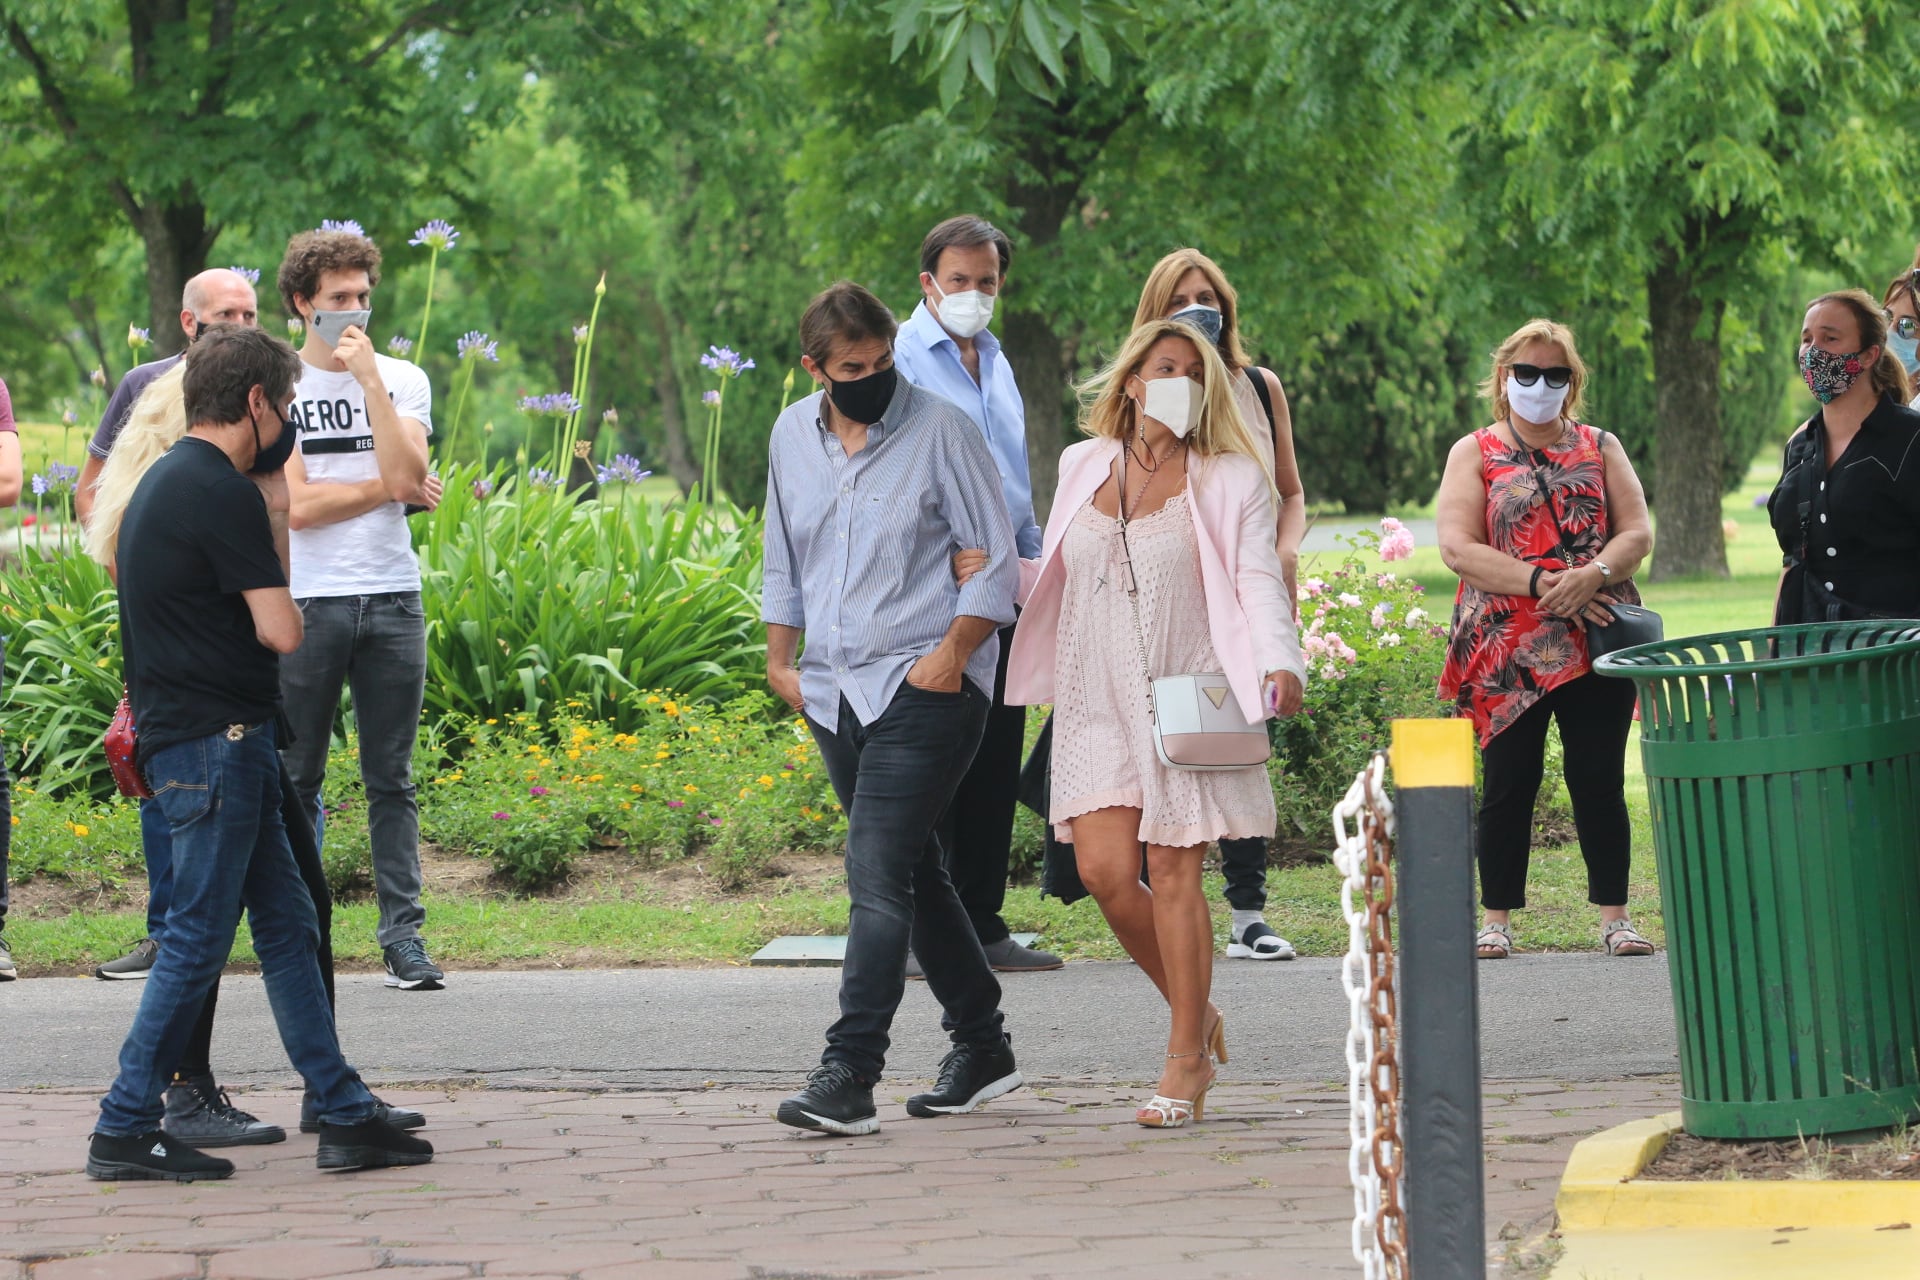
(311, 254)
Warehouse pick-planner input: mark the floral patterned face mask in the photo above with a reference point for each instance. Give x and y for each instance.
(1828, 374)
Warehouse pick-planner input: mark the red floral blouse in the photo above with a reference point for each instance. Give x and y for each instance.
(1505, 651)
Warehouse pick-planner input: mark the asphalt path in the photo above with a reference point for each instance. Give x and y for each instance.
(1562, 1017)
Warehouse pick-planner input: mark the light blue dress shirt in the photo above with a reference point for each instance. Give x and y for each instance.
(859, 550)
(926, 355)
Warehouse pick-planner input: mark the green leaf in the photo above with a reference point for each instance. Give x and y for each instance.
(1099, 57)
(1037, 25)
(953, 78)
(980, 54)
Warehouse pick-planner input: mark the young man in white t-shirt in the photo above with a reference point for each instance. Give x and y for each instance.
(363, 420)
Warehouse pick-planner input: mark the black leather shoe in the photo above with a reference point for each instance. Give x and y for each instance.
(836, 1100)
(398, 1117)
(371, 1144)
(970, 1075)
(151, 1157)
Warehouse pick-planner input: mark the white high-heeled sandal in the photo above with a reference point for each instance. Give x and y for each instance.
(1162, 1112)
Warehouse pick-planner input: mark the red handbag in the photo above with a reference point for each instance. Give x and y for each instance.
(121, 743)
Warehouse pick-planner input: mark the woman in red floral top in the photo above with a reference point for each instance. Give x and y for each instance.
(1544, 520)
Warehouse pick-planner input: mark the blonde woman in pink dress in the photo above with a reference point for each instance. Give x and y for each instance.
(1205, 593)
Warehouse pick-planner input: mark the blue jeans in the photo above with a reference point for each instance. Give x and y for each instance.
(378, 645)
(895, 779)
(221, 799)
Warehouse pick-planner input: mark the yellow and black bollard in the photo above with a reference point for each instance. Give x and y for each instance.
(1439, 1000)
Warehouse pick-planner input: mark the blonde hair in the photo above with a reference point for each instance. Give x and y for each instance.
(158, 420)
(1156, 298)
(1108, 412)
(1494, 387)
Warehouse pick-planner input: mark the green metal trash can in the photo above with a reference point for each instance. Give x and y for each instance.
(1783, 766)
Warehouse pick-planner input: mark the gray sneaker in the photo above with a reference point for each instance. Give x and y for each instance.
(200, 1114)
(133, 966)
(1008, 956)
(7, 972)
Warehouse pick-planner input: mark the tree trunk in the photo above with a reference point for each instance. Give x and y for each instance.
(675, 451)
(177, 239)
(1041, 365)
(1687, 443)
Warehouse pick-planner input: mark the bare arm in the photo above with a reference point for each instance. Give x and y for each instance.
(11, 471)
(399, 444)
(83, 487)
(1292, 524)
(276, 618)
(1460, 518)
(940, 671)
(783, 671)
(324, 503)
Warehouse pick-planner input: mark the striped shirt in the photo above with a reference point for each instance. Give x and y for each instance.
(859, 550)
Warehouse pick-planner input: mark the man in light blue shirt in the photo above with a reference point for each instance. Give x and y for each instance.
(945, 347)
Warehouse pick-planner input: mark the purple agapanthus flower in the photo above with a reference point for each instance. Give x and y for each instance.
(541, 478)
(59, 478)
(98, 377)
(625, 468)
(557, 405)
(139, 338)
(250, 274)
(611, 417)
(69, 418)
(347, 225)
(579, 335)
(437, 234)
(295, 328)
(726, 362)
(710, 399)
(399, 345)
(483, 488)
(475, 345)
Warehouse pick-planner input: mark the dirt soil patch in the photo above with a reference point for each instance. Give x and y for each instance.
(1895, 1157)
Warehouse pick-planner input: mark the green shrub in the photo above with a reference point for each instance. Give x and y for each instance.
(62, 622)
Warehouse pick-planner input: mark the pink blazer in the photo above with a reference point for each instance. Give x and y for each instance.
(1248, 613)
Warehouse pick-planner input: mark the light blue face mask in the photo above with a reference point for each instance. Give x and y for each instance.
(1907, 349)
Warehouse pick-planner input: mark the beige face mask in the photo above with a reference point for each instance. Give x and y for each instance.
(1174, 403)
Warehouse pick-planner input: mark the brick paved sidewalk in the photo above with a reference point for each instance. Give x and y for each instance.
(1049, 1181)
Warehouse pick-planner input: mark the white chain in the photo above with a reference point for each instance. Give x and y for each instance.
(1365, 803)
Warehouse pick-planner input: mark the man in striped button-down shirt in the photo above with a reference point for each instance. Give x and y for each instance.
(872, 485)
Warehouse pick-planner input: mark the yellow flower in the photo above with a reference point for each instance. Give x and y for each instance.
(493, 722)
(662, 754)
(16, 819)
(651, 700)
(79, 829)
(595, 777)
(766, 779)
(573, 753)
(672, 708)
(745, 792)
(690, 789)
(626, 804)
(636, 788)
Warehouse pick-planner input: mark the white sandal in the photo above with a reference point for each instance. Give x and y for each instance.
(1258, 941)
(1619, 938)
(1495, 941)
(1162, 1112)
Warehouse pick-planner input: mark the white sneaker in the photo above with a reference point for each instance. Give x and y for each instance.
(1258, 941)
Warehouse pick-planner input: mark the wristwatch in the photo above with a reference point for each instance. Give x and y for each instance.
(1606, 574)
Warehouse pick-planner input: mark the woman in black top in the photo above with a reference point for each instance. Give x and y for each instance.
(1847, 508)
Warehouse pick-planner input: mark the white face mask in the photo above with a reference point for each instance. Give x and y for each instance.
(1539, 402)
(1174, 403)
(965, 313)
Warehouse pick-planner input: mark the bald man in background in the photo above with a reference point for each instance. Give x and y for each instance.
(216, 296)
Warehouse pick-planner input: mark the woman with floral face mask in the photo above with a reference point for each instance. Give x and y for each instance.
(1544, 520)
(1158, 561)
(1847, 508)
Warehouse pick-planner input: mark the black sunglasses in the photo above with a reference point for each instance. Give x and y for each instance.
(1904, 327)
(1528, 374)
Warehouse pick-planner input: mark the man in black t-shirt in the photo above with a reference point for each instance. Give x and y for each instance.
(204, 615)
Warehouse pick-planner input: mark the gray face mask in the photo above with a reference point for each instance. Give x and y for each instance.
(330, 325)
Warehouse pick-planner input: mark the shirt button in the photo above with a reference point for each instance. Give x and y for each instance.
(1823, 486)
(1829, 586)
(1833, 551)
(835, 627)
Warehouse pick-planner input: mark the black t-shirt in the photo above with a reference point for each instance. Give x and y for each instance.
(194, 537)
(1862, 522)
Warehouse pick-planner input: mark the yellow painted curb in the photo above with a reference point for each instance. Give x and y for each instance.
(1597, 1192)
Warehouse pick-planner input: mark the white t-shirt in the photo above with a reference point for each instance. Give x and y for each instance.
(373, 552)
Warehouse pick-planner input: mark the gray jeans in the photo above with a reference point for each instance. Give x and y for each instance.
(377, 645)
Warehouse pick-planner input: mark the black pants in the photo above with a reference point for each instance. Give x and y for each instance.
(895, 778)
(306, 856)
(976, 832)
(1244, 863)
(1594, 714)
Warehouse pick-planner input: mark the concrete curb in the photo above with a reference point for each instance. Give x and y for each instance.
(1598, 1194)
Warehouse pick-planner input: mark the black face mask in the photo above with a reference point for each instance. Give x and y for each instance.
(865, 400)
(271, 458)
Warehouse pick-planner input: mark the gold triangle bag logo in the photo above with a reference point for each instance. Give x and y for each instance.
(1217, 695)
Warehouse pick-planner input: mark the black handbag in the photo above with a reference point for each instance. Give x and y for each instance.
(1632, 623)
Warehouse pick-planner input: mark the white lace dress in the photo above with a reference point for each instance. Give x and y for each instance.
(1103, 754)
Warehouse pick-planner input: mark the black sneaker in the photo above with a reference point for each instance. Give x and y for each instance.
(7, 972)
(970, 1075)
(408, 967)
(371, 1144)
(151, 1157)
(398, 1117)
(836, 1100)
(200, 1113)
(133, 966)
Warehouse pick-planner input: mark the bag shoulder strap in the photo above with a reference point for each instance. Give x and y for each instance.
(1258, 376)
